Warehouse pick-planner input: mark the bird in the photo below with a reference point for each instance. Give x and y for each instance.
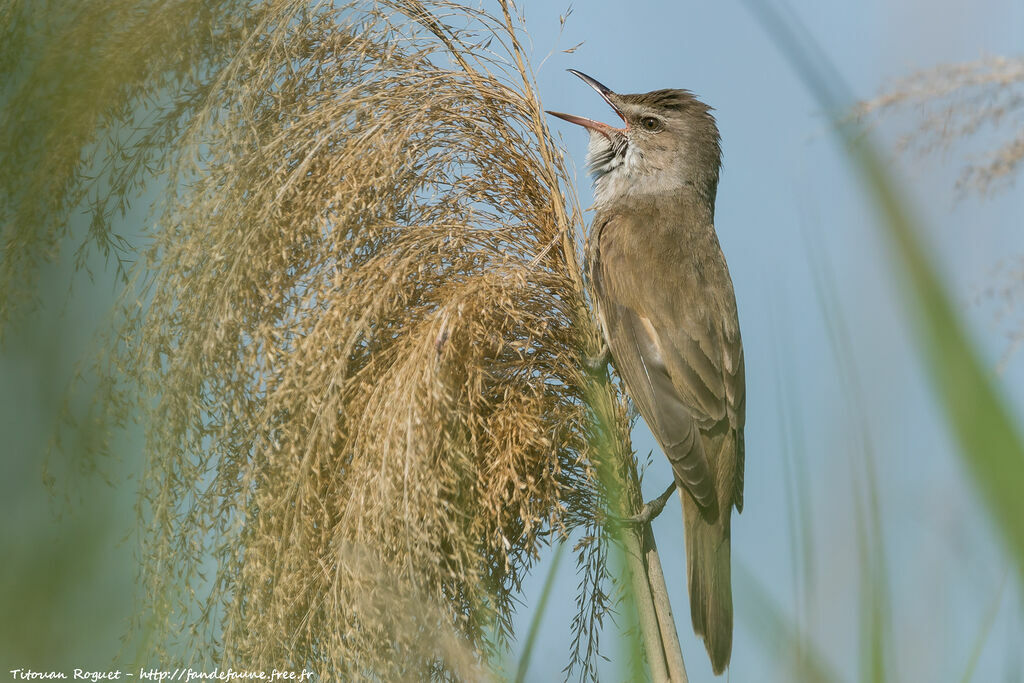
(667, 311)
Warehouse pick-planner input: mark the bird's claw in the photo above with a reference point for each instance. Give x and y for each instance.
(651, 508)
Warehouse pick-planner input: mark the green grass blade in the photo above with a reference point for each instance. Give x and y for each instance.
(538, 614)
(871, 549)
(778, 634)
(984, 631)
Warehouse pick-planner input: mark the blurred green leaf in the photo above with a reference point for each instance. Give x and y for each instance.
(977, 413)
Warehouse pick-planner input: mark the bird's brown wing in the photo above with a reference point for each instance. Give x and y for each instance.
(682, 365)
(707, 368)
(639, 360)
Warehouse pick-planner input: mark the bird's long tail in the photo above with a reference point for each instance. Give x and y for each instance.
(709, 574)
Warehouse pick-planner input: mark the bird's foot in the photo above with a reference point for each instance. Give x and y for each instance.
(596, 363)
(651, 508)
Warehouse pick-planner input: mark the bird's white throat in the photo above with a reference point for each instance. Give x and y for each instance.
(619, 170)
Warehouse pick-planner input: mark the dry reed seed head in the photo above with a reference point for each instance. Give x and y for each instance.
(77, 83)
(361, 334)
(959, 101)
(949, 104)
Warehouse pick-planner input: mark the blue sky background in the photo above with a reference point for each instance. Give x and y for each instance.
(787, 194)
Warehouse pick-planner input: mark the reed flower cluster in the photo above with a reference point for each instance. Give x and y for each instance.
(353, 323)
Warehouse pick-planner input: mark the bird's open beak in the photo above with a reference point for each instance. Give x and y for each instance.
(608, 95)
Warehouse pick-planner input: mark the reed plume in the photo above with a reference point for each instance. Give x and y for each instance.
(353, 324)
(980, 99)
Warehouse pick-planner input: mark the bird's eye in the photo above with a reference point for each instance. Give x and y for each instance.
(650, 123)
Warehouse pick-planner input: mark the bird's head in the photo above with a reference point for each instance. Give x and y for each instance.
(668, 143)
